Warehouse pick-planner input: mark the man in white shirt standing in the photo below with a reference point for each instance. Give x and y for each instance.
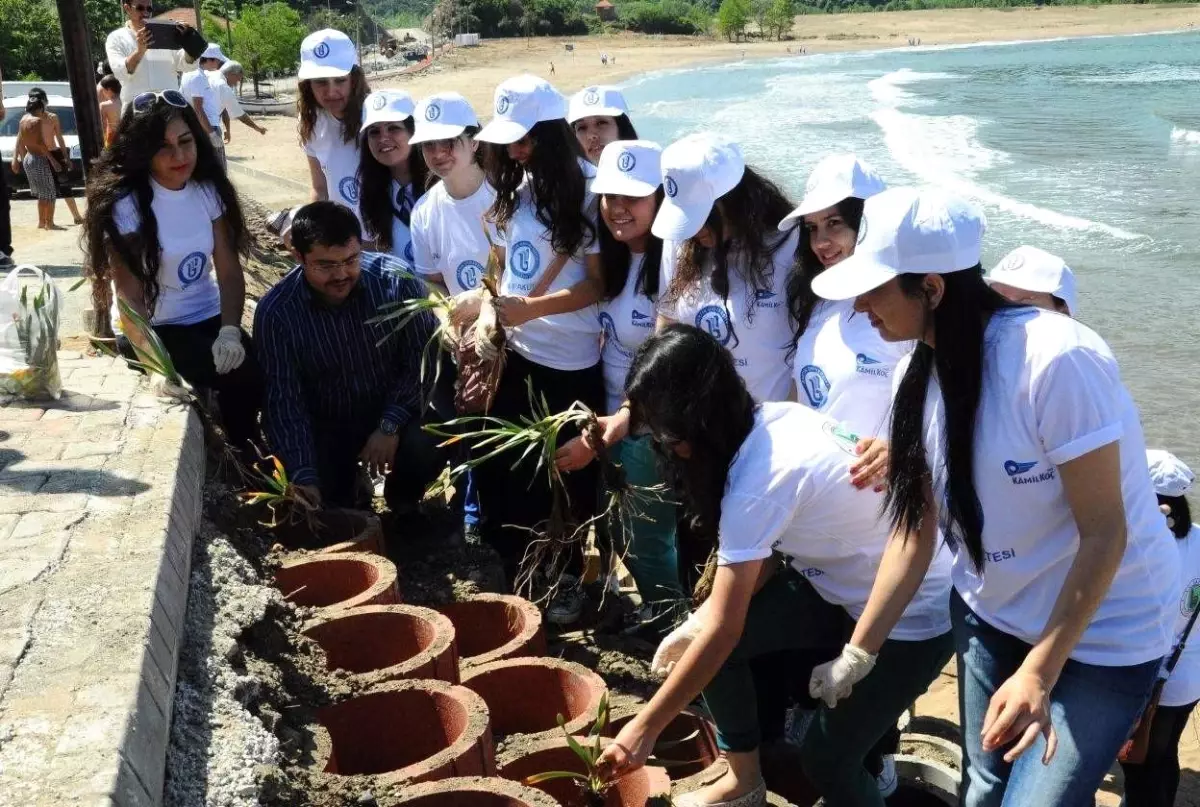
(138, 67)
(229, 76)
(200, 88)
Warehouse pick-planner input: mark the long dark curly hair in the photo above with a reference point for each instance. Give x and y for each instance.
(616, 259)
(745, 225)
(124, 170)
(801, 300)
(375, 201)
(309, 109)
(555, 179)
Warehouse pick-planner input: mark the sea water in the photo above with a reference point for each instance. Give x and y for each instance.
(1088, 148)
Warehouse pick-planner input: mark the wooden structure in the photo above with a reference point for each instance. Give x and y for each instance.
(606, 11)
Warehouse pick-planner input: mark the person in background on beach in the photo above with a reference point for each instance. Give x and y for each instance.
(146, 197)
(203, 93)
(332, 89)
(546, 225)
(1026, 449)
(449, 244)
(629, 184)
(52, 136)
(6, 247)
(552, 68)
(1154, 782)
(1031, 276)
(341, 390)
(38, 161)
(229, 77)
(756, 479)
(109, 90)
(599, 115)
(136, 65)
(392, 174)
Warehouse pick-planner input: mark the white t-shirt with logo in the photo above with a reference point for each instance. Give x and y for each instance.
(338, 159)
(1052, 392)
(187, 284)
(789, 491)
(843, 368)
(448, 236)
(627, 320)
(1183, 687)
(199, 84)
(564, 341)
(401, 235)
(758, 337)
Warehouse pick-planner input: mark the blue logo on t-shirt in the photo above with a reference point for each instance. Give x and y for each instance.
(626, 162)
(433, 112)
(640, 320)
(610, 335)
(715, 320)
(1020, 472)
(1012, 467)
(348, 188)
(867, 366)
(191, 268)
(408, 252)
(815, 385)
(671, 187)
(525, 260)
(469, 274)
(321, 50)
(765, 298)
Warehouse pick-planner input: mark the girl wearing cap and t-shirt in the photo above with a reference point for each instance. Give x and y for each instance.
(599, 115)
(545, 220)
(181, 272)
(1012, 431)
(332, 89)
(756, 479)
(1032, 276)
(391, 173)
(1155, 781)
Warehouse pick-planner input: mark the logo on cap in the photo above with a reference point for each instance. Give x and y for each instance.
(591, 96)
(321, 50)
(378, 103)
(469, 274)
(714, 320)
(433, 112)
(191, 268)
(348, 188)
(626, 161)
(862, 231)
(1012, 263)
(672, 188)
(525, 260)
(503, 103)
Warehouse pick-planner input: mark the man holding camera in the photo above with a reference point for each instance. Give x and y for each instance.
(140, 63)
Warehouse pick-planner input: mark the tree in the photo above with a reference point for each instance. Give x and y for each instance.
(30, 40)
(782, 18)
(761, 10)
(267, 38)
(732, 17)
(103, 16)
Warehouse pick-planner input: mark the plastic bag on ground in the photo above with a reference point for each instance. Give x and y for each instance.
(30, 302)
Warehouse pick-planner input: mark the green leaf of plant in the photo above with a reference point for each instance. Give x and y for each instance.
(538, 778)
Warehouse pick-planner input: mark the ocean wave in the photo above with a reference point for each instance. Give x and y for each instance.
(1158, 74)
(1179, 135)
(889, 89)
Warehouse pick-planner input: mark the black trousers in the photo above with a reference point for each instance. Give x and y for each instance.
(5, 215)
(240, 391)
(1154, 782)
(517, 498)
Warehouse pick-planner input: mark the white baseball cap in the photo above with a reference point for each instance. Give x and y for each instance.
(1171, 477)
(326, 54)
(1034, 269)
(386, 106)
(697, 170)
(213, 51)
(835, 178)
(906, 231)
(598, 100)
(522, 102)
(629, 168)
(442, 116)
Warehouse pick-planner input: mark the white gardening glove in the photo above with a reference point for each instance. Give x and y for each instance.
(165, 389)
(674, 645)
(228, 352)
(833, 680)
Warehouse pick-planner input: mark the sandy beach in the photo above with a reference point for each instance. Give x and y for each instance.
(475, 72)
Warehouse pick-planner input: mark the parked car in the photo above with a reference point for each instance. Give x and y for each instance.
(14, 109)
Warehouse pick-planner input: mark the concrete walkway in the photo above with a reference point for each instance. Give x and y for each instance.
(99, 502)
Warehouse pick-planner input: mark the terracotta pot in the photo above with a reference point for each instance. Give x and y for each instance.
(526, 695)
(337, 582)
(632, 790)
(386, 642)
(335, 529)
(689, 742)
(494, 627)
(471, 792)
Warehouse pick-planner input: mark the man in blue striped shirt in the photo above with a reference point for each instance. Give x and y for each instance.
(340, 391)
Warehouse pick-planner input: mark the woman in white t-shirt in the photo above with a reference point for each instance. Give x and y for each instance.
(545, 220)
(163, 216)
(391, 173)
(1012, 432)
(725, 264)
(754, 480)
(1154, 782)
(331, 89)
(599, 115)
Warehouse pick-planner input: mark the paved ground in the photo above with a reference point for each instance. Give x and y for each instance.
(99, 501)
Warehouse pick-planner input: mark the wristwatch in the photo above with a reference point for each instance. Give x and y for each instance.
(388, 427)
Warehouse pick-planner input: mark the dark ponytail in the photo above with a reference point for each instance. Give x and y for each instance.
(959, 324)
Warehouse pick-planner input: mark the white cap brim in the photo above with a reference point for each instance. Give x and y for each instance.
(597, 111)
(312, 71)
(427, 132)
(675, 222)
(503, 132)
(857, 274)
(812, 203)
(622, 186)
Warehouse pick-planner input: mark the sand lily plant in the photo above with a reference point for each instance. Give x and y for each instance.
(278, 493)
(590, 782)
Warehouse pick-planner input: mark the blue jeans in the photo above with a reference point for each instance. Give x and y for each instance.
(1093, 709)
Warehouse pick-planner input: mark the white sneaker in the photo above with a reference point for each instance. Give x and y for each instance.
(566, 606)
(887, 780)
(796, 724)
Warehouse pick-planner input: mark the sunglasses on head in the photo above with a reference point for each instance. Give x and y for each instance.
(144, 102)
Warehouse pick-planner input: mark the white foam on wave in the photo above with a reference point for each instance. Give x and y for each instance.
(1179, 135)
(889, 89)
(1157, 74)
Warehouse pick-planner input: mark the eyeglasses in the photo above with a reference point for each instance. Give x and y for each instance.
(143, 9)
(326, 267)
(144, 102)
